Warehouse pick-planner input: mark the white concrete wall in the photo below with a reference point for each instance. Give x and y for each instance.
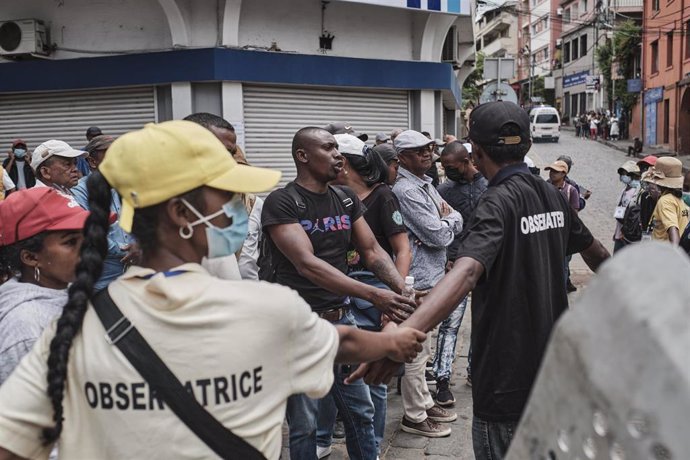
(85, 28)
(96, 26)
(360, 30)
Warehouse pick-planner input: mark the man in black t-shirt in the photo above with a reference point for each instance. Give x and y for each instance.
(311, 226)
(511, 257)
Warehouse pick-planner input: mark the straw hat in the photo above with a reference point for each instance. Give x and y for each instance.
(667, 172)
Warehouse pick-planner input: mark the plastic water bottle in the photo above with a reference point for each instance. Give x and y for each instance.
(408, 290)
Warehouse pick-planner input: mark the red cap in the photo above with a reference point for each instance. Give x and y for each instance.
(29, 212)
(17, 142)
(649, 159)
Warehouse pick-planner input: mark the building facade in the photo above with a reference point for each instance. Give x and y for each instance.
(496, 32)
(665, 106)
(269, 67)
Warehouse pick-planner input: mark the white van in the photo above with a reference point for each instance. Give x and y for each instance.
(545, 124)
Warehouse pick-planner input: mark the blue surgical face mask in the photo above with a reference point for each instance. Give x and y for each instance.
(222, 241)
(625, 179)
(20, 153)
(686, 198)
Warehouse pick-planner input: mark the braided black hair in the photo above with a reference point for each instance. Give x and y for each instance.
(93, 252)
(370, 167)
(10, 256)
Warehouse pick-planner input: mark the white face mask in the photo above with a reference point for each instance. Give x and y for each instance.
(221, 241)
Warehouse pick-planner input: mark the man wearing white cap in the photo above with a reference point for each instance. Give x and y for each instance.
(55, 165)
(431, 227)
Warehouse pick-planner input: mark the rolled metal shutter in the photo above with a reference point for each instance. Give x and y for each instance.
(37, 117)
(272, 116)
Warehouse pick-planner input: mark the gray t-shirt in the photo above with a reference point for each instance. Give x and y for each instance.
(25, 311)
(21, 178)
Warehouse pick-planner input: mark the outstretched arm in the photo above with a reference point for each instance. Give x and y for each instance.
(397, 344)
(595, 255)
(436, 306)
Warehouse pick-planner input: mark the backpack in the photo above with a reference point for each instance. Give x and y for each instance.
(632, 225)
(583, 202)
(269, 253)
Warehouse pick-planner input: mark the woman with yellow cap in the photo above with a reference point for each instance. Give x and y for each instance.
(239, 348)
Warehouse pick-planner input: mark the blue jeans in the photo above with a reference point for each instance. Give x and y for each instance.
(491, 440)
(354, 404)
(328, 412)
(447, 339)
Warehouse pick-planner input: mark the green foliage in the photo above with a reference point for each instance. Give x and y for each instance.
(471, 90)
(622, 49)
(537, 91)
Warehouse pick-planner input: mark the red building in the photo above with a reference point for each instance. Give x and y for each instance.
(666, 75)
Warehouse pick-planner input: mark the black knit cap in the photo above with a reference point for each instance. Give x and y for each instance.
(488, 122)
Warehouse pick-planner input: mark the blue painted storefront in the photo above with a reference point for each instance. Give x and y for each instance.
(221, 64)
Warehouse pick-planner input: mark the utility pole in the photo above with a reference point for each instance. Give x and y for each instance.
(613, 55)
(594, 51)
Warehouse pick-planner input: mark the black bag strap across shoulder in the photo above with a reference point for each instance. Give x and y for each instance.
(121, 333)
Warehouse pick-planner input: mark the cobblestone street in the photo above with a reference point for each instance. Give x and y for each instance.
(595, 167)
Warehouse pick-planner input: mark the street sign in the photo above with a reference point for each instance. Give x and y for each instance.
(575, 79)
(592, 84)
(549, 82)
(499, 68)
(634, 85)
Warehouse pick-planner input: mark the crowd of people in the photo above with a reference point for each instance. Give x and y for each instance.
(598, 125)
(157, 253)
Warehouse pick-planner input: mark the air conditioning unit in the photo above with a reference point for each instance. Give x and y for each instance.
(559, 42)
(23, 36)
(559, 11)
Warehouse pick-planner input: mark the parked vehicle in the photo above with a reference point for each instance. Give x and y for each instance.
(545, 124)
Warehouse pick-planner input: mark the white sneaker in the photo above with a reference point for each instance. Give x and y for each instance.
(322, 452)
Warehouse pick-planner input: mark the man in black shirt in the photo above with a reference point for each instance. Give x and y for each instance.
(310, 233)
(511, 257)
(18, 166)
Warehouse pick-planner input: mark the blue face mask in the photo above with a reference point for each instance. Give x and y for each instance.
(625, 179)
(686, 198)
(221, 241)
(19, 153)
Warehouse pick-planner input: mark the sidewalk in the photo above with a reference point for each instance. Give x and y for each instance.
(623, 145)
(400, 445)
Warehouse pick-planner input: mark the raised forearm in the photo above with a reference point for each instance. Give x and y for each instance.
(381, 265)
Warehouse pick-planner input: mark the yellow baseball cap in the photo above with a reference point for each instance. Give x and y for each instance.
(167, 159)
